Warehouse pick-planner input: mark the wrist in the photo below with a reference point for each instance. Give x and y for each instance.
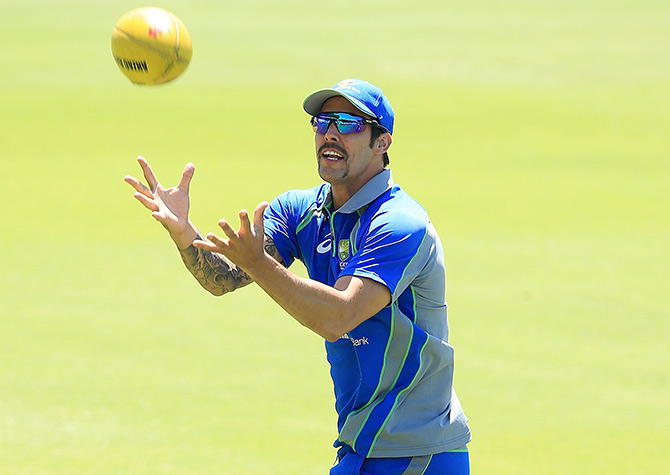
(184, 239)
(263, 268)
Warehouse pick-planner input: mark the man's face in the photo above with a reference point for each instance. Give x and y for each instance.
(345, 159)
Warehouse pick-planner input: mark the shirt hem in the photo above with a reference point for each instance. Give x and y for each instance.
(421, 450)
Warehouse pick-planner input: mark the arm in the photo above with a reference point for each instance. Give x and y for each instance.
(328, 311)
(170, 207)
(215, 272)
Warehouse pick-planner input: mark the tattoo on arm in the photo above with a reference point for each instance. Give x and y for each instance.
(271, 249)
(215, 273)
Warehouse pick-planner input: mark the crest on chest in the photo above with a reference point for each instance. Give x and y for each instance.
(343, 252)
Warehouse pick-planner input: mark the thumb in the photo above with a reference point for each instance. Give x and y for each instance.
(186, 177)
(258, 217)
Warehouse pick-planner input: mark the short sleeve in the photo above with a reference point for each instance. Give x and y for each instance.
(279, 221)
(392, 250)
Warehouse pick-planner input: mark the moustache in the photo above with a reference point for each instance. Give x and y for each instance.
(333, 146)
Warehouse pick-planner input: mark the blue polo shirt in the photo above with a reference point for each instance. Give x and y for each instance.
(393, 373)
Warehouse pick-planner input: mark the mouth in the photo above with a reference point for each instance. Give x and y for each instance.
(332, 152)
(332, 155)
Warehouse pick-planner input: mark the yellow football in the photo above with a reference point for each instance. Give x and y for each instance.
(151, 46)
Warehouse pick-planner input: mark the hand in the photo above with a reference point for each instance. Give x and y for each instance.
(245, 247)
(169, 206)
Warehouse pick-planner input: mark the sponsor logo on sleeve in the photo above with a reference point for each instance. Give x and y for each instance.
(356, 341)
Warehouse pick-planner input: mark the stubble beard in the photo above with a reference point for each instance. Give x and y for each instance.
(324, 175)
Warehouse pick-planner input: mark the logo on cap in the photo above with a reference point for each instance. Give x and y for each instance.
(348, 84)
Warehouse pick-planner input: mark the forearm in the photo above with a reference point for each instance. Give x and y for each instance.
(327, 311)
(214, 272)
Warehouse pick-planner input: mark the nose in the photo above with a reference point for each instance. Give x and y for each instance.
(332, 134)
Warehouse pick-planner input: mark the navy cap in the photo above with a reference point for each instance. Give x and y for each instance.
(366, 97)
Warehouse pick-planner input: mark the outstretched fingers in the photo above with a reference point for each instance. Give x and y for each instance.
(147, 201)
(149, 175)
(142, 193)
(217, 242)
(209, 244)
(227, 229)
(245, 224)
(139, 187)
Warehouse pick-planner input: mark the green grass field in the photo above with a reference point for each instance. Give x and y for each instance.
(534, 132)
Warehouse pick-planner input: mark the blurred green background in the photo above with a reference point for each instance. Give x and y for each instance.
(534, 132)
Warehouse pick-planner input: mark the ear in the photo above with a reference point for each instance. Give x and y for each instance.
(383, 143)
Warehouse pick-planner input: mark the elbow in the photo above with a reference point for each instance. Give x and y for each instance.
(328, 330)
(216, 291)
(328, 334)
(331, 337)
(339, 325)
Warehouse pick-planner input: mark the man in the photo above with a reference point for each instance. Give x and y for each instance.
(375, 290)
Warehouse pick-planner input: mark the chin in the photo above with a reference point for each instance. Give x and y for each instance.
(325, 175)
(330, 174)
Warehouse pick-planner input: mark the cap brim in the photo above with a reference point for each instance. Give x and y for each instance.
(314, 102)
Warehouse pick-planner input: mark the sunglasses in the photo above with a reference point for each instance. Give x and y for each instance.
(345, 123)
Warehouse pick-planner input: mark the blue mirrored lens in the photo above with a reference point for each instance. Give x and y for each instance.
(345, 123)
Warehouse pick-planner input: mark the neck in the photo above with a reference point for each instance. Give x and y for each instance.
(340, 196)
(343, 191)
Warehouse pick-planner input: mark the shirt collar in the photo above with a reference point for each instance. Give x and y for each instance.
(369, 192)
